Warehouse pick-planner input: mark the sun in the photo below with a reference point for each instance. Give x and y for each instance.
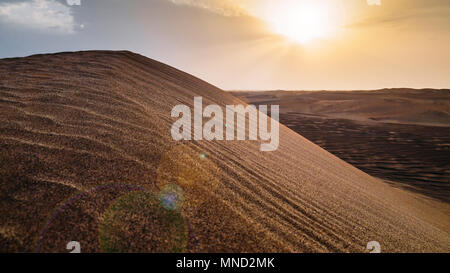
(301, 22)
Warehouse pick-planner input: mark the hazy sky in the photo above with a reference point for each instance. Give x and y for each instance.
(250, 44)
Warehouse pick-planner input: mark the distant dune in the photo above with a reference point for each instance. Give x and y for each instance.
(408, 106)
(85, 149)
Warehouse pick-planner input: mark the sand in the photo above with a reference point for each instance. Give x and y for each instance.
(387, 133)
(85, 149)
(430, 107)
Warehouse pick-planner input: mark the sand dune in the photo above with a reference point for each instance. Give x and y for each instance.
(85, 149)
(400, 135)
(405, 106)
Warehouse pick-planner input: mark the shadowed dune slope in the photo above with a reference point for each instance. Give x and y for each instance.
(77, 127)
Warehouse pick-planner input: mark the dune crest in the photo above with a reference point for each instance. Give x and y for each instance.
(82, 132)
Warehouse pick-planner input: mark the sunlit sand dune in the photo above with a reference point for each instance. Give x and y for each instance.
(400, 135)
(86, 155)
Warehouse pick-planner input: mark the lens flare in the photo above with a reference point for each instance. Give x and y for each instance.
(191, 170)
(171, 197)
(141, 215)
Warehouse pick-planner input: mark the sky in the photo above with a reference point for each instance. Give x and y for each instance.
(250, 44)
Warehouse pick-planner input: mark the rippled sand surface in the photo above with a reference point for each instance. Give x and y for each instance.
(86, 155)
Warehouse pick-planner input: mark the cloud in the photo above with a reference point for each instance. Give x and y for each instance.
(431, 14)
(224, 7)
(393, 12)
(73, 2)
(48, 15)
(374, 2)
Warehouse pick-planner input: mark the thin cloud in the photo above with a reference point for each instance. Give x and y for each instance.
(48, 15)
(223, 7)
(74, 2)
(432, 13)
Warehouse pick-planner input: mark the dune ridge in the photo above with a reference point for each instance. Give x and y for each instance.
(74, 125)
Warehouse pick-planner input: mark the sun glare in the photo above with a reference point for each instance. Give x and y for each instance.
(302, 22)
